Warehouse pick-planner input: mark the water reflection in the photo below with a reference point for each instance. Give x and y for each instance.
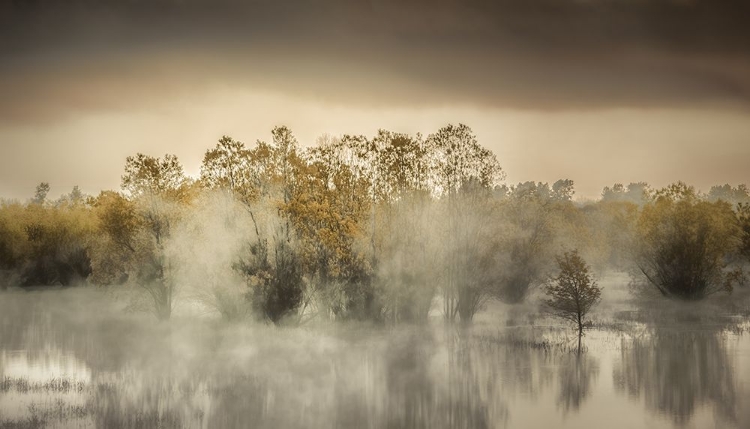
(408, 381)
(678, 371)
(104, 368)
(134, 374)
(44, 365)
(577, 373)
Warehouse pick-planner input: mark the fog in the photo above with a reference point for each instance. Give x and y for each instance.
(391, 280)
(277, 214)
(73, 358)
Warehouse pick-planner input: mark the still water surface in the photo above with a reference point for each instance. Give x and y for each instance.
(72, 358)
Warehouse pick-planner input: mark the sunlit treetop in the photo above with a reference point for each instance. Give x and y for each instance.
(147, 175)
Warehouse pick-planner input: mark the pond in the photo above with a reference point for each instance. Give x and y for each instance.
(73, 358)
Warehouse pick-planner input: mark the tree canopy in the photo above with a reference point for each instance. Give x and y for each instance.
(389, 227)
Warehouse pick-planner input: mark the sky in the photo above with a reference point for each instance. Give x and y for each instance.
(598, 91)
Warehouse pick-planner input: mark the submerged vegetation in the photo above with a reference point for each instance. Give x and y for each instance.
(355, 228)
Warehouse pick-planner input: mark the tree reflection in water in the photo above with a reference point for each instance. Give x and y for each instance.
(203, 374)
(577, 373)
(677, 372)
(421, 379)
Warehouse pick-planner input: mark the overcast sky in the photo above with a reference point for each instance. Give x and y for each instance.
(598, 91)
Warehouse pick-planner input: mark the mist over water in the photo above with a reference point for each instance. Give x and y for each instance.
(73, 358)
(385, 282)
(383, 265)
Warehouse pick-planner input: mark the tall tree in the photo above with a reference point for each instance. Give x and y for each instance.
(743, 216)
(458, 157)
(530, 226)
(329, 209)
(227, 166)
(264, 179)
(139, 229)
(473, 252)
(458, 160)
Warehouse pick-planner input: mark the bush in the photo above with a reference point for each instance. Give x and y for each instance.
(682, 244)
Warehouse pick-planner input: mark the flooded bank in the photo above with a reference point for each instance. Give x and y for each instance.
(73, 358)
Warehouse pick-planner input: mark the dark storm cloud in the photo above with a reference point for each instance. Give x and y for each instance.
(62, 56)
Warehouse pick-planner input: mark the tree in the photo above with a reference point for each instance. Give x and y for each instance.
(743, 216)
(328, 209)
(682, 243)
(265, 179)
(57, 245)
(611, 225)
(147, 175)
(458, 157)
(135, 250)
(562, 190)
(385, 183)
(139, 228)
(408, 263)
(637, 193)
(75, 198)
(396, 164)
(274, 278)
(738, 274)
(40, 195)
(204, 253)
(476, 250)
(14, 245)
(527, 238)
(573, 292)
(227, 167)
(460, 164)
(732, 195)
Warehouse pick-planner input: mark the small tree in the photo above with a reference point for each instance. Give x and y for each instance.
(573, 292)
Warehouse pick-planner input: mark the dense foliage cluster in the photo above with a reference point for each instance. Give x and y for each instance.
(383, 228)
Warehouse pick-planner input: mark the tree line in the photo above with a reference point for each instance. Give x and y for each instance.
(380, 228)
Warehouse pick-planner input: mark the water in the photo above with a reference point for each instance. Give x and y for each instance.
(72, 358)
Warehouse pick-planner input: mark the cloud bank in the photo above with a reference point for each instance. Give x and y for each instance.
(59, 58)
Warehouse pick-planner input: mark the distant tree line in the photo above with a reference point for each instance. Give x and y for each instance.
(380, 228)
